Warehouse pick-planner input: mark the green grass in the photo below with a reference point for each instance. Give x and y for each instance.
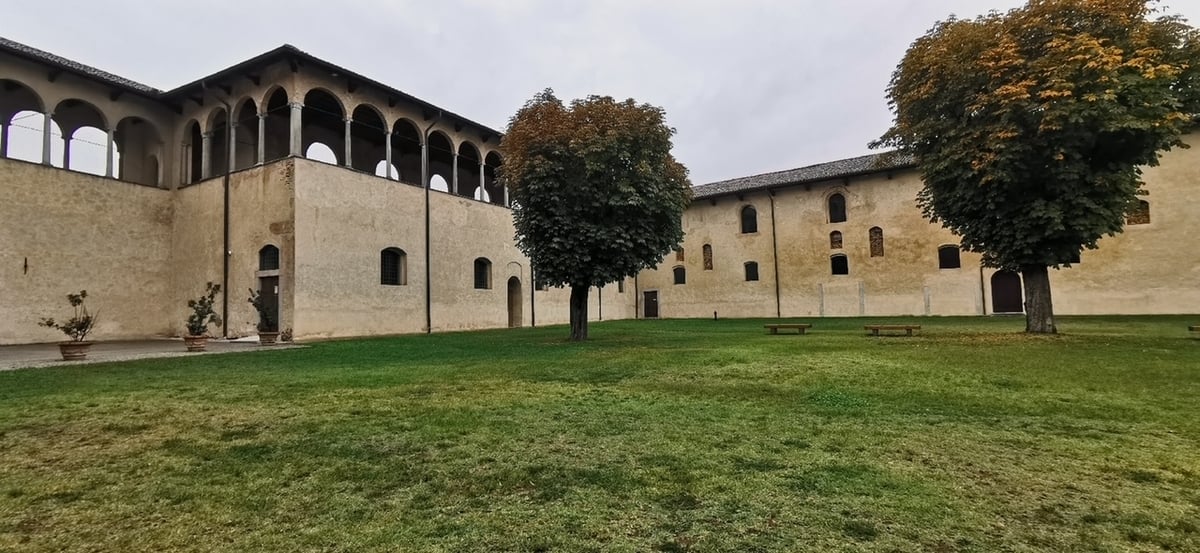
(655, 436)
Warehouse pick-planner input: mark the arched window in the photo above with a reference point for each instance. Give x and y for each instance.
(751, 271)
(483, 274)
(835, 240)
(876, 235)
(839, 265)
(948, 257)
(680, 275)
(708, 262)
(749, 220)
(393, 267)
(1140, 214)
(837, 208)
(268, 258)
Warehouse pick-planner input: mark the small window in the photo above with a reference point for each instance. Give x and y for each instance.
(749, 220)
(751, 271)
(679, 254)
(876, 235)
(621, 286)
(835, 240)
(837, 208)
(393, 267)
(838, 265)
(708, 263)
(483, 274)
(680, 275)
(948, 257)
(268, 258)
(1140, 214)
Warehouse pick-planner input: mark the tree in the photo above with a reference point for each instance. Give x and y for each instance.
(597, 196)
(1030, 127)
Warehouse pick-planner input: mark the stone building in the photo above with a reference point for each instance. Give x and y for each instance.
(359, 210)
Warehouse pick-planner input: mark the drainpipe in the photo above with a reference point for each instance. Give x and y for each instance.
(982, 292)
(637, 299)
(428, 261)
(775, 253)
(532, 294)
(225, 216)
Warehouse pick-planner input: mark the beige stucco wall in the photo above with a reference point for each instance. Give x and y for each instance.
(81, 232)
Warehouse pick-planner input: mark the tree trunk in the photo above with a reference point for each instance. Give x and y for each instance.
(579, 315)
(1039, 309)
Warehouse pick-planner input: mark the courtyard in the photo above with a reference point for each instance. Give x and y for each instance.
(682, 435)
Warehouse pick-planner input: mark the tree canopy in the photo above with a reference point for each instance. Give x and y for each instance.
(597, 196)
(1031, 127)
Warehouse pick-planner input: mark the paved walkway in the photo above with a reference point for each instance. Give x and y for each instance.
(45, 355)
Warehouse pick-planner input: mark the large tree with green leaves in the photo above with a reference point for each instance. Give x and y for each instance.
(596, 194)
(1030, 127)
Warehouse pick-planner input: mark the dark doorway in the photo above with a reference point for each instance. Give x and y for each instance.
(514, 302)
(651, 304)
(268, 288)
(1006, 293)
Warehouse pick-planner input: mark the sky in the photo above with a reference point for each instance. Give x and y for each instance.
(750, 86)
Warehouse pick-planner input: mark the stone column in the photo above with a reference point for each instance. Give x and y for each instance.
(66, 162)
(261, 156)
(454, 175)
(206, 156)
(231, 157)
(296, 125)
(108, 158)
(3, 140)
(347, 141)
(481, 180)
(387, 152)
(49, 120)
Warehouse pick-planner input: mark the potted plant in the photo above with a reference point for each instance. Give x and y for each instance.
(268, 333)
(76, 328)
(202, 316)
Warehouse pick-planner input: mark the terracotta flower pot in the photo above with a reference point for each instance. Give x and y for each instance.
(267, 338)
(196, 343)
(74, 351)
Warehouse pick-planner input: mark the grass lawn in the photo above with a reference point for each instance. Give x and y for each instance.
(655, 436)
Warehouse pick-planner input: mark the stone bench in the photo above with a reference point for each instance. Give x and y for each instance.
(798, 327)
(876, 329)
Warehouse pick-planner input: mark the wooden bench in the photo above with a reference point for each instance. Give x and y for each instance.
(799, 327)
(908, 329)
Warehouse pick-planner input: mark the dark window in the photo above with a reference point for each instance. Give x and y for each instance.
(393, 267)
(708, 264)
(838, 265)
(948, 257)
(483, 274)
(679, 255)
(621, 286)
(680, 275)
(751, 271)
(749, 220)
(837, 208)
(268, 258)
(876, 235)
(835, 240)
(1140, 214)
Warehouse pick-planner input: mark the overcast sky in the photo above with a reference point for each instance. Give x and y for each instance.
(751, 86)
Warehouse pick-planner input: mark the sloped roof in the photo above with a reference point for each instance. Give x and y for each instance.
(41, 56)
(862, 165)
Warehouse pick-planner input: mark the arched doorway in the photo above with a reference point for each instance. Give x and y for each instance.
(514, 302)
(1006, 293)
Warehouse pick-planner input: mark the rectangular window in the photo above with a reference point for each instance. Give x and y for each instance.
(839, 265)
(751, 271)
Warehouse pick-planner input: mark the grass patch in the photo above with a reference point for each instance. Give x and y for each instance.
(693, 435)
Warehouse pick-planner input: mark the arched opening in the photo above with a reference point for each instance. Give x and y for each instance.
(837, 208)
(708, 257)
(25, 137)
(84, 137)
(948, 257)
(680, 275)
(20, 110)
(406, 152)
(438, 183)
(218, 143)
(138, 145)
(277, 126)
(320, 152)
(382, 169)
(268, 258)
(245, 132)
(323, 121)
(441, 159)
(470, 178)
(193, 144)
(515, 304)
(368, 139)
(751, 271)
(839, 265)
(876, 237)
(749, 220)
(491, 166)
(835, 240)
(393, 267)
(1006, 293)
(1140, 214)
(483, 274)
